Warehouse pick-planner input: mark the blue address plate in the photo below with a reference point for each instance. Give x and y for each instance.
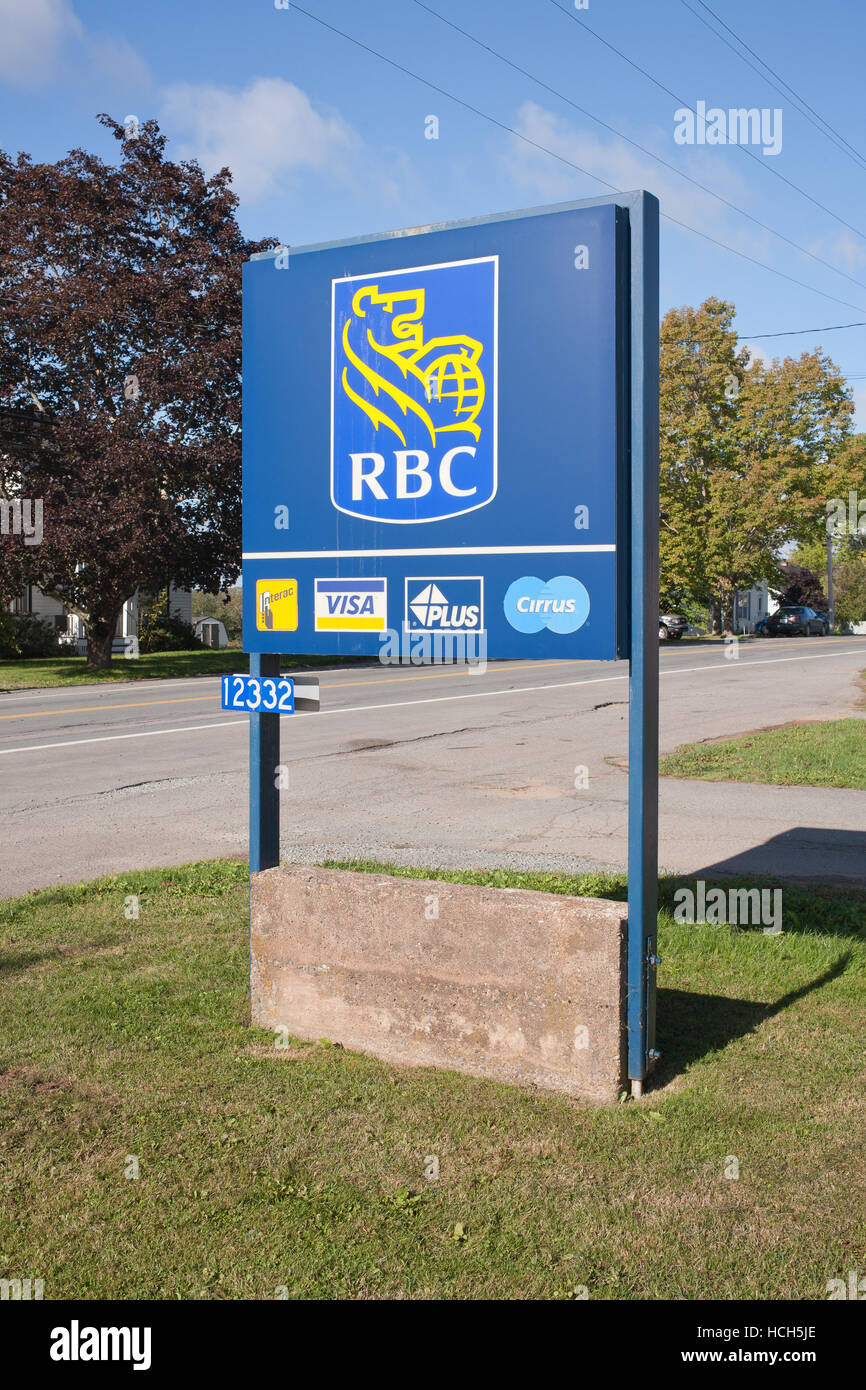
(259, 694)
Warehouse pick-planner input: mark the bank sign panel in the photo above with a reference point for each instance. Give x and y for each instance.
(435, 441)
(413, 370)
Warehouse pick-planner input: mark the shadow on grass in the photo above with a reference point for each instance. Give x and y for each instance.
(11, 962)
(693, 1026)
(805, 854)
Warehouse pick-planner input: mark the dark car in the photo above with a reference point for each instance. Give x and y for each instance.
(794, 622)
(671, 626)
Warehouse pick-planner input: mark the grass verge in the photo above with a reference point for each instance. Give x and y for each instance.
(830, 753)
(72, 670)
(127, 1037)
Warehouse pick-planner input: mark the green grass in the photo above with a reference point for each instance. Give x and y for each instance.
(831, 753)
(72, 670)
(303, 1167)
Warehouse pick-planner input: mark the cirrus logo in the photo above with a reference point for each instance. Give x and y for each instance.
(561, 604)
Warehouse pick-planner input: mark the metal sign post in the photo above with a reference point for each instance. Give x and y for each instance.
(264, 786)
(643, 690)
(451, 445)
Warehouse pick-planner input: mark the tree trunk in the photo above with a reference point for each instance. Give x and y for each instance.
(728, 609)
(100, 636)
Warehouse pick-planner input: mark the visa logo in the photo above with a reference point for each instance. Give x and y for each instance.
(351, 605)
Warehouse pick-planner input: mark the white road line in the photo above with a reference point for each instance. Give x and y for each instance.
(430, 700)
(433, 699)
(112, 738)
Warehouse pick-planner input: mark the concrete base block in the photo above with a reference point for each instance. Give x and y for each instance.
(520, 986)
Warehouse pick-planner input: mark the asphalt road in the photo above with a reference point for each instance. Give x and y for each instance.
(430, 767)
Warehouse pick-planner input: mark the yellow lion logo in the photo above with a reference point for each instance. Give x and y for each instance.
(449, 383)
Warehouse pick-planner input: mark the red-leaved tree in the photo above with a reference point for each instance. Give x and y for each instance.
(120, 361)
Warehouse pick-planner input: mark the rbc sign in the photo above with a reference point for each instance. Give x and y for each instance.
(435, 438)
(452, 433)
(413, 425)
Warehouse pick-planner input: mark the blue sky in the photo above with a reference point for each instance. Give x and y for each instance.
(327, 141)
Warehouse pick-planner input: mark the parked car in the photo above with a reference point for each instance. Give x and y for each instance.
(671, 627)
(794, 622)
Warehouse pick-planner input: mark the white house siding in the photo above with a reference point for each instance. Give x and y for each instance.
(181, 603)
(753, 605)
(33, 600)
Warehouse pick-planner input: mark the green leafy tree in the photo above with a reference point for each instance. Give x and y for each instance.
(700, 369)
(849, 591)
(749, 454)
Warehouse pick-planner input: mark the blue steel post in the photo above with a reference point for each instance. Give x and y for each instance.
(264, 792)
(644, 651)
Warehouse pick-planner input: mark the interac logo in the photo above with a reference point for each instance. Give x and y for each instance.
(414, 386)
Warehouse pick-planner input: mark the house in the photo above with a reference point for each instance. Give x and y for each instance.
(751, 605)
(50, 610)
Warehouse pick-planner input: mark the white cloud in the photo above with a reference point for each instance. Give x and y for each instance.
(43, 41)
(758, 353)
(35, 33)
(618, 164)
(843, 248)
(116, 60)
(264, 134)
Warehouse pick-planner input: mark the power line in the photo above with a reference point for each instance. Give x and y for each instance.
(297, 9)
(583, 110)
(761, 162)
(789, 92)
(753, 337)
(793, 332)
(798, 102)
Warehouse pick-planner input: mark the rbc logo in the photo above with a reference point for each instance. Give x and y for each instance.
(414, 387)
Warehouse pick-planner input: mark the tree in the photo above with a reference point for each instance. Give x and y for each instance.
(849, 591)
(748, 453)
(699, 364)
(120, 302)
(802, 588)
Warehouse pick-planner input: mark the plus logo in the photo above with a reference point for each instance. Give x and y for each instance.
(444, 604)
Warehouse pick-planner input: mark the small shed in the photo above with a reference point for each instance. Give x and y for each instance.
(212, 632)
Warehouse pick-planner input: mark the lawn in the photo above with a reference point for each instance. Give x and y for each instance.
(831, 753)
(300, 1171)
(72, 670)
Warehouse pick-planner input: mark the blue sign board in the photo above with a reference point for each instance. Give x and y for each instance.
(451, 436)
(435, 440)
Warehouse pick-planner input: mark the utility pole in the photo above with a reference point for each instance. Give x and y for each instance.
(830, 575)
